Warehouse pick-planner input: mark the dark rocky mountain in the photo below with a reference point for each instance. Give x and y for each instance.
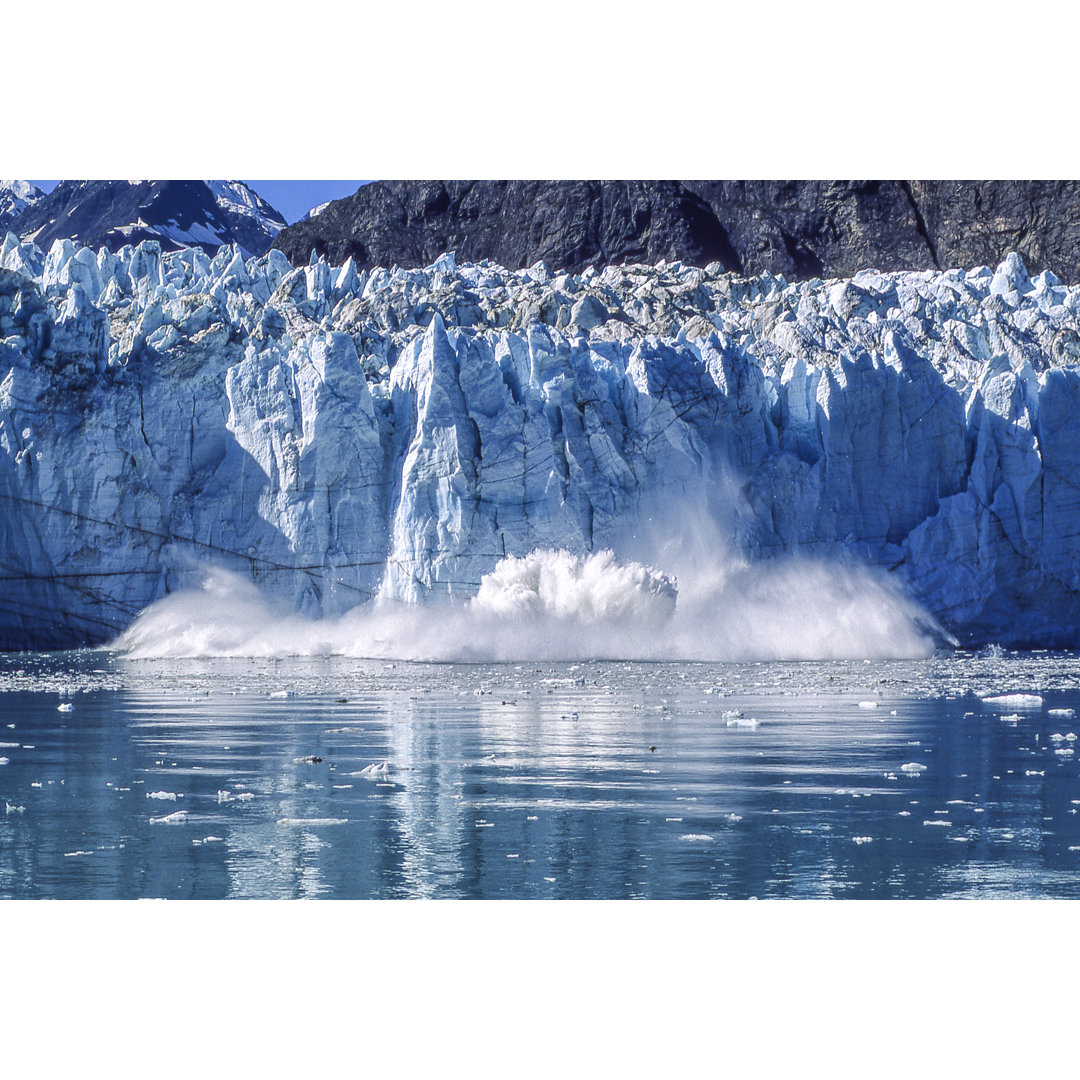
(177, 213)
(800, 228)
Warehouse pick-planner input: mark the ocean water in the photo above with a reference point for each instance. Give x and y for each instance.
(334, 777)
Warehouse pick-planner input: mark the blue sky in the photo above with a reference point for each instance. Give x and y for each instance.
(293, 198)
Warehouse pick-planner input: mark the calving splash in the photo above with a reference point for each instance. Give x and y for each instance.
(554, 605)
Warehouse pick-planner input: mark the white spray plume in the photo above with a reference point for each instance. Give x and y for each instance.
(554, 605)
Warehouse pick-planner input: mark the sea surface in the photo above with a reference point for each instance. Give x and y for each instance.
(343, 778)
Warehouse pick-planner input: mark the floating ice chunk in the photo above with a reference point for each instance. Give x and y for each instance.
(313, 821)
(913, 767)
(868, 704)
(65, 707)
(11, 809)
(1057, 737)
(744, 722)
(4, 760)
(1014, 701)
(715, 690)
(904, 813)
(283, 694)
(177, 818)
(1034, 772)
(938, 821)
(9, 745)
(373, 771)
(1011, 718)
(862, 839)
(1065, 714)
(695, 838)
(1065, 751)
(169, 795)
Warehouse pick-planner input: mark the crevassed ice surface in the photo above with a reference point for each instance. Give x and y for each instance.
(333, 436)
(953, 776)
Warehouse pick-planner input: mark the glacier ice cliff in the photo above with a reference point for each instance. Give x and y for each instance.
(336, 435)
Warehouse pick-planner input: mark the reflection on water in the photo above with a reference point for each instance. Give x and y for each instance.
(266, 779)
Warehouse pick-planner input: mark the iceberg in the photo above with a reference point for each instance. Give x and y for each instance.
(334, 437)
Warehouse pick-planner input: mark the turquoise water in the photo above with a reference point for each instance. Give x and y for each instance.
(242, 778)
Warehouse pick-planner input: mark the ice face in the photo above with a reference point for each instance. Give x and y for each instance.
(335, 436)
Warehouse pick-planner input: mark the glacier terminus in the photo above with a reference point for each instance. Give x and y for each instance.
(339, 439)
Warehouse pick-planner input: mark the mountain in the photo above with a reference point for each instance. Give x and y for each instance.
(15, 197)
(335, 435)
(176, 213)
(801, 229)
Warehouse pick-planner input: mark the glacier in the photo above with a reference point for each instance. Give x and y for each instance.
(335, 437)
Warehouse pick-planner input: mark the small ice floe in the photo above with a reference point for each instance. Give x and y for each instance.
(65, 707)
(1065, 752)
(373, 771)
(868, 704)
(73, 854)
(224, 796)
(715, 690)
(4, 760)
(308, 759)
(913, 767)
(1011, 718)
(731, 714)
(169, 796)
(696, 838)
(207, 840)
(938, 821)
(1064, 714)
(305, 821)
(11, 809)
(283, 694)
(341, 787)
(1034, 772)
(904, 813)
(1014, 701)
(10, 745)
(862, 839)
(1057, 737)
(743, 722)
(177, 818)
(733, 818)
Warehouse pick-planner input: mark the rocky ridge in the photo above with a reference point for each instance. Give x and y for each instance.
(799, 228)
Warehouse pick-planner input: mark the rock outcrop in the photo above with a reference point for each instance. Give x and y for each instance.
(800, 228)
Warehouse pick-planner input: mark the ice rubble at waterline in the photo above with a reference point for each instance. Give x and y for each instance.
(352, 442)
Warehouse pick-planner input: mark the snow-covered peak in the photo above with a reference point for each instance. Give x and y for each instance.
(15, 197)
(176, 213)
(234, 196)
(315, 211)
